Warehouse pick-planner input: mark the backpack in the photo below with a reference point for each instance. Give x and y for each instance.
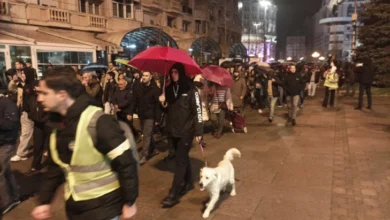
(125, 128)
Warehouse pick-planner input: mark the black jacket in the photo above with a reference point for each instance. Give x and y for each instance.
(146, 101)
(365, 74)
(109, 91)
(9, 121)
(317, 76)
(184, 118)
(34, 108)
(109, 136)
(123, 99)
(293, 84)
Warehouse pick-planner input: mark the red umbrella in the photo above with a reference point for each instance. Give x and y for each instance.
(218, 75)
(161, 59)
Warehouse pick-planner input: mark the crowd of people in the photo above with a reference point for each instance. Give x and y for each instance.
(67, 109)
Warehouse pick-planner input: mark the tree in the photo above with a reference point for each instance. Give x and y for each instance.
(374, 35)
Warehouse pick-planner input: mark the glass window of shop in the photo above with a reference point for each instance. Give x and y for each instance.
(19, 53)
(63, 58)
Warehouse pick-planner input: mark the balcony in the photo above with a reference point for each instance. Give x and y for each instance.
(172, 6)
(201, 15)
(48, 16)
(152, 3)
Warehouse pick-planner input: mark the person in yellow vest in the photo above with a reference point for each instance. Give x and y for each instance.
(331, 85)
(88, 152)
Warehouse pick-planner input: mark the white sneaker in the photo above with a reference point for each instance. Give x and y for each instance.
(17, 158)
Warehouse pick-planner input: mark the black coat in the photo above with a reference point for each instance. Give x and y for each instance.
(123, 99)
(365, 74)
(293, 84)
(34, 108)
(184, 118)
(109, 91)
(109, 136)
(9, 121)
(146, 102)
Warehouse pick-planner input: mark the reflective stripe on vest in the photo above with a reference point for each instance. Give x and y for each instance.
(89, 173)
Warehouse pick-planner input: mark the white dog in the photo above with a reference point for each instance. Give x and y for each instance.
(216, 179)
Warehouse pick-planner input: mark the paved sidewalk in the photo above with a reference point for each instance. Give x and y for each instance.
(334, 165)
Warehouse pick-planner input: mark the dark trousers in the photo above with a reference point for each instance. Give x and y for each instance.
(41, 140)
(366, 88)
(220, 120)
(9, 191)
(302, 97)
(183, 173)
(147, 131)
(326, 98)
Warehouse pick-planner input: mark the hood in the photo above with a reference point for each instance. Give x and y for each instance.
(184, 82)
(81, 103)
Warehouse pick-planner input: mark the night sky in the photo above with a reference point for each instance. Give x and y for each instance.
(291, 14)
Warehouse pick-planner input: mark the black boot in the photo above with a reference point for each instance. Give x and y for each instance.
(186, 188)
(171, 200)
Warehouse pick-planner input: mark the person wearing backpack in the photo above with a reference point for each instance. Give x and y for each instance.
(88, 152)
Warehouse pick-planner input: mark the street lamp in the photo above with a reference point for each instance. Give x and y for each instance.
(302, 58)
(322, 58)
(265, 4)
(289, 58)
(315, 55)
(239, 5)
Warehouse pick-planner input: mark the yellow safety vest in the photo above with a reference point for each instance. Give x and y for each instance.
(331, 81)
(89, 174)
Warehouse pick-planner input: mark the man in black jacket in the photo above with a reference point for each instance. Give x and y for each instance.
(122, 101)
(365, 74)
(184, 122)
(145, 100)
(62, 93)
(109, 91)
(9, 133)
(41, 132)
(293, 83)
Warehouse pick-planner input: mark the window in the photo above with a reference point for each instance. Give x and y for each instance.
(19, 53)
(197, 26)
(86, 6)
(171, 22)
(63, 58)
(122, 8)
(204, 27)
(186, 26)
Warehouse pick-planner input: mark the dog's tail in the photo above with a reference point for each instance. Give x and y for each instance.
(231, 153)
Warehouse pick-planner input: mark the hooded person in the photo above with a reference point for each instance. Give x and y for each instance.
(181, 102)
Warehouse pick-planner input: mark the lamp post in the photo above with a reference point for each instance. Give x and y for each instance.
(354, 25)
(265, 4)
(257, 36)
(315, 55)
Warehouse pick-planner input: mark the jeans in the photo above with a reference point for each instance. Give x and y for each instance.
(183, 172)
(367, 88)
(281, 96)
(9, 191)
(302, 97)
(26, 135)
(326, 98)
(220, 120)
(312, 89)
(272, 101)
(292, 105)
(147, 131)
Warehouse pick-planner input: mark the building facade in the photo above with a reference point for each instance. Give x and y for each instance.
(259, 27)
(79, 32)
(296, 47)
(336, 18)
